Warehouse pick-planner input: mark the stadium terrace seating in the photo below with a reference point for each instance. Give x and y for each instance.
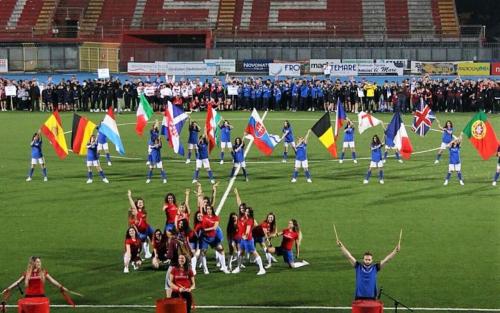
(396, 14)
(6, 12)
(448, 19)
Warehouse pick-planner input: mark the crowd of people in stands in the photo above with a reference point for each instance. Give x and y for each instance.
(244, 93)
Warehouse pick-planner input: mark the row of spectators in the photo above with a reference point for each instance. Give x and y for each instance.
(244, 93)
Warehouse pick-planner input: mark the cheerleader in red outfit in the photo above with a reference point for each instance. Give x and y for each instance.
(182, 281)
(291, 235)
(132, 250)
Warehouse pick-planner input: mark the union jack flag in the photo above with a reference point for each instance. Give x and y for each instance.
(422, 121)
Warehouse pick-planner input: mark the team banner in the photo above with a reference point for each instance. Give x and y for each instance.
(317, 65)
(441, 68)
(387, 69)
(495, 68)
(403, 63)
(473, 69)
(186, 68)
(284, 69)
(256, 65)
(138, 68)
(4, 65)
(344, 69)
(222, 65)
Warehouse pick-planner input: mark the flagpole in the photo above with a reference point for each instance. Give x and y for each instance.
(231, 181)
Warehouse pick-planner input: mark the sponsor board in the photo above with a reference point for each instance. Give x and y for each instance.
(473, 69)
(4, 65)
(138, 67)
(223, 65)
(317, 65)
(387, 69)
(495, 68)
(256, 65)
(344, 69)
(403, 63)
(186, 68)
(284, 69)
(441, 68)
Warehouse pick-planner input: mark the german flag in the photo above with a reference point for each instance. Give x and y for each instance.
(52, 129)
(80, 135)
(323, 129)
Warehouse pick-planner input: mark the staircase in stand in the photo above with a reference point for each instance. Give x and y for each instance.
(91, 16)
(225, 20)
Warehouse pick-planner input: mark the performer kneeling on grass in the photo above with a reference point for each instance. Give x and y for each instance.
(37, 156)
(93, 161)
(376, 160)
(301, 158)
(291, 235)
(159, 249)
(455, 164)
(181, 281)
(366, 272)
(132, 250)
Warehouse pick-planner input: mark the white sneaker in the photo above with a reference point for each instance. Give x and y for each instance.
(294, 180)
(164, 181)
(305, 262)
(261, 272)
(45, 178)
(383, 161)
(28, 179)
(125, 269)
(147, 255)
(445, 183)
(89, 181)
(148, 181)
(494, 183)
(134, 266)
(105, 180)
(436, 162)
(109, 163)
(221, 162)
(365, 181)
(195, 181)
(236, 270)
(206, 272)
(212, 181)
(309, 180)
(400, 161)
(462, 182)
(225, 271)
(268, 266)
(283, 161)
(381, 181)
(274, 259)
(242, 266)
(341, 161)
(355, 161)
(188, 161)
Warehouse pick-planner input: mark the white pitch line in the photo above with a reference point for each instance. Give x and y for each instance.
(231, 181)
(255, 307)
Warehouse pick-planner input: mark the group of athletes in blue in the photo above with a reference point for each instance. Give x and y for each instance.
(198, 144)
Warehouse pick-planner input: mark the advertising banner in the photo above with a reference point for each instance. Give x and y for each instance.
(403, 63)
(344, 69)
(388, 69)
(256, 65)
(316, 65)
(284, 69)
(495, 68)
(137, 67)
(473, 69)
(223, 65)
(4, 65)
(186, 68)
(441, 68)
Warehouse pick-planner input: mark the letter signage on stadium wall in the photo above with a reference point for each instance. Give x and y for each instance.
(473, 69)
(256, 65)
(223, 65)
(186, 68)
(316, 65)
(403, 63)
(284, 69)
(4, 65)
(442, 68)
(144, 68)
(344, 69)
(388, 69)
(495, 68)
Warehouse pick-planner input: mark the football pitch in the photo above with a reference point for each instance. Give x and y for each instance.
(450, 251)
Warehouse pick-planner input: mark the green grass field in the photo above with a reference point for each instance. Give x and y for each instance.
(450, 250)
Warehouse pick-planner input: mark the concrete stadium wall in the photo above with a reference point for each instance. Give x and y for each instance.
(29, 57)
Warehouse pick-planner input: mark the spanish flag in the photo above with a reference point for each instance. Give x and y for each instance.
(323, 129)
(52, 129)
(80, 135)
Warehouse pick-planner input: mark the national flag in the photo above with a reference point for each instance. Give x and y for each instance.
(324, 131)
(144, 113)
(340, 117)
(422, 121)
(212, 126)
(109, 129)
(174, 120)
(67, 298)
(52, 129)
(366, 120)
(264, 141)
(482, 135)
(80, 135)
(396, 132)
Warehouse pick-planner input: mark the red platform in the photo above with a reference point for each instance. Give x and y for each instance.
(33, 305)
(367, 306)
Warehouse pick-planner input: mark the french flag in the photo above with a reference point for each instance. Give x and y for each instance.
(256, 130)
(340, 117)
(172, 124)
(109, 129)
(396, 132)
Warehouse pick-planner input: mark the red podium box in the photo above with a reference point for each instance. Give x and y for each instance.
(33, 305)
(171, 305)
(367, 306)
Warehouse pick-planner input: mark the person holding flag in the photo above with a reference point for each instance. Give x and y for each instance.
(109, 129)
(497, 173)
(155, 160)
(52, 129)
(225, 138)
(301, 158)
(93, 161)
(172, 124)
(194, 130)
(202, 160)
(288, 137)
(376, 160)
(445, 139)
(455, 163)
(348, 142)
(366, 120)
(396, 138)
(102, 145)
(239, 157)
(37, 156)
(154, 133)
(389, 145)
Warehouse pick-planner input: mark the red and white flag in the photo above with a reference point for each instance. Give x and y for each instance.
(366, 120)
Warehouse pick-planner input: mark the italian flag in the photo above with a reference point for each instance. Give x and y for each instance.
(211, 126)
(144, 113)
(482, 135)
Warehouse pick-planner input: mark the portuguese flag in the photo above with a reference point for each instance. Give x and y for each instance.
(482, 135)
(52, 129)
(144, 113)
(324, 131)
(80, 135)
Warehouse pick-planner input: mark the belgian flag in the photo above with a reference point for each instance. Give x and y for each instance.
(80, 135)
(323, 129)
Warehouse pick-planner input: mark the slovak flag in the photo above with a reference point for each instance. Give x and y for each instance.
(396, 132)
(109, 129)
(422, 121)
(340, 117)
(256, 130)
(171, 127)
